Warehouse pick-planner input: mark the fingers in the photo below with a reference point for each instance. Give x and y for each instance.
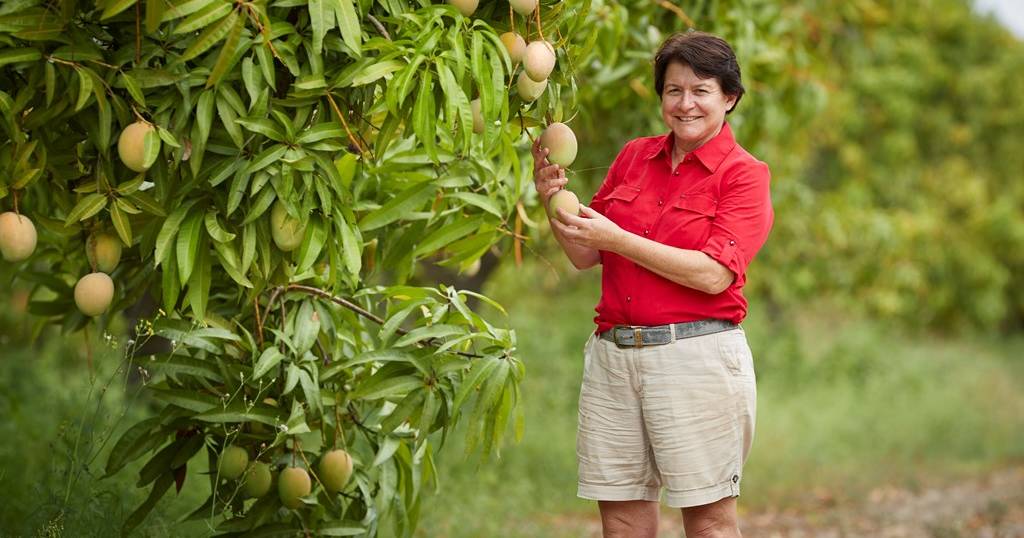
(571, 220)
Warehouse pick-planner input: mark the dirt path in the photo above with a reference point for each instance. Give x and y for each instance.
(987, 507)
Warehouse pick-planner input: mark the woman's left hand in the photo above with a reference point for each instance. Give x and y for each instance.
(590, 229)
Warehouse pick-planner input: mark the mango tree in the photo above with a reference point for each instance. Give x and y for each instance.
(270, 174)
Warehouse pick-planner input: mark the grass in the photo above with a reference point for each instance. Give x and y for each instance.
(843, 406)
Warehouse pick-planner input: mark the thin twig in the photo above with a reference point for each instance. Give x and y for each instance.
(259, 322)
(361, 311)
(341, 117)
(380, 27)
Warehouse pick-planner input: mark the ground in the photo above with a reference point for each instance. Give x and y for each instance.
(988, 507)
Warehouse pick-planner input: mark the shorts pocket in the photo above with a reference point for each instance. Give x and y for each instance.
(734, 351)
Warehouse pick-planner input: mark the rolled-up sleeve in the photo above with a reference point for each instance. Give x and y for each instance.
(743, 219)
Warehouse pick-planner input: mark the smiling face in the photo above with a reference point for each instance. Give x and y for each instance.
(693, 107)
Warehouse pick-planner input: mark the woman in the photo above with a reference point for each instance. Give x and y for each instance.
(668, 393)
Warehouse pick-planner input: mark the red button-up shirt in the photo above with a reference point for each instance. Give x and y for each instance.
(716, 201)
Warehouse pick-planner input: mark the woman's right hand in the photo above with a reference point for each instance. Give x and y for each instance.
(547, 178)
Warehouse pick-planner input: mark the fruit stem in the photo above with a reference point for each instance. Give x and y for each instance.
(14, 193)
(511, 18)
(540, 30)
(315, 476)
(337, 424)
(138, 33)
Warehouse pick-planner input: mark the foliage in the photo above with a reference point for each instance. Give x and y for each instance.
(352, 116)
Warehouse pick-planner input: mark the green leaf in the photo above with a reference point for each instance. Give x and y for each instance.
(50, 81)
(351, 247)
(13, 56)
(204, 17)
(185, 8)
(262, 126)
(84, 88)
(140, 513)
(170, 284)
(211, 36)
(121, 224)
(307, 328)
(481, 369)
(154, 13)
(214, 228)
(129, 446)
(431, 332)
(348, 24)
(406, 201)
(447, 234)
(376, 71)
(204, 115)
(177, 364)
(425, 115)
(227, 53)
(266, 158)
(199, 281)
(268, 360)
(239, 412)
(311, 391)
(187, 399)
(321, 131)
(88, 206)
(376, 388)
(115, 7)
(188, 244)
(150, 148)
(229, 261)
(146, 202)
(486, 203)
(312, 244)
(321, 18)
(401, 412)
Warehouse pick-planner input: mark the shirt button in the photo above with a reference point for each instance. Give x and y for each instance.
(647, 232)
(676, 173)
(732, 242)
(660, 202)
(628, 298)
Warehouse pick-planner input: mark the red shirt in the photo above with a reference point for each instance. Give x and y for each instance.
(716, 201)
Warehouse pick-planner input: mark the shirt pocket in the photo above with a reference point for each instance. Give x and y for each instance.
(687, 224)
(622, 205)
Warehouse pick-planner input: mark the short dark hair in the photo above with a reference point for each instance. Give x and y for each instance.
(708, 55)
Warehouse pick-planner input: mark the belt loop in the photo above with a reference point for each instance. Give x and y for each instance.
(673, 327)
(638, 337)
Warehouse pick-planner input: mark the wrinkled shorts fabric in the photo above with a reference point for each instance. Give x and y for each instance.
(678, 416)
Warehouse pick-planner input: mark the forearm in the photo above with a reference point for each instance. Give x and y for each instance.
(581, 257)
(690, 268)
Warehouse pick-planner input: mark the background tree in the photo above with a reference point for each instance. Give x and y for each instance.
(271, 173)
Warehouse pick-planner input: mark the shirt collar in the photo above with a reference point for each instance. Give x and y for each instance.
(711, 154)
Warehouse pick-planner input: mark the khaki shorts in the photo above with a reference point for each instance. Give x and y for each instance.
(679, 415)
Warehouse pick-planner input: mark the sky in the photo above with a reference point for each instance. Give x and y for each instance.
(1009, 12)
